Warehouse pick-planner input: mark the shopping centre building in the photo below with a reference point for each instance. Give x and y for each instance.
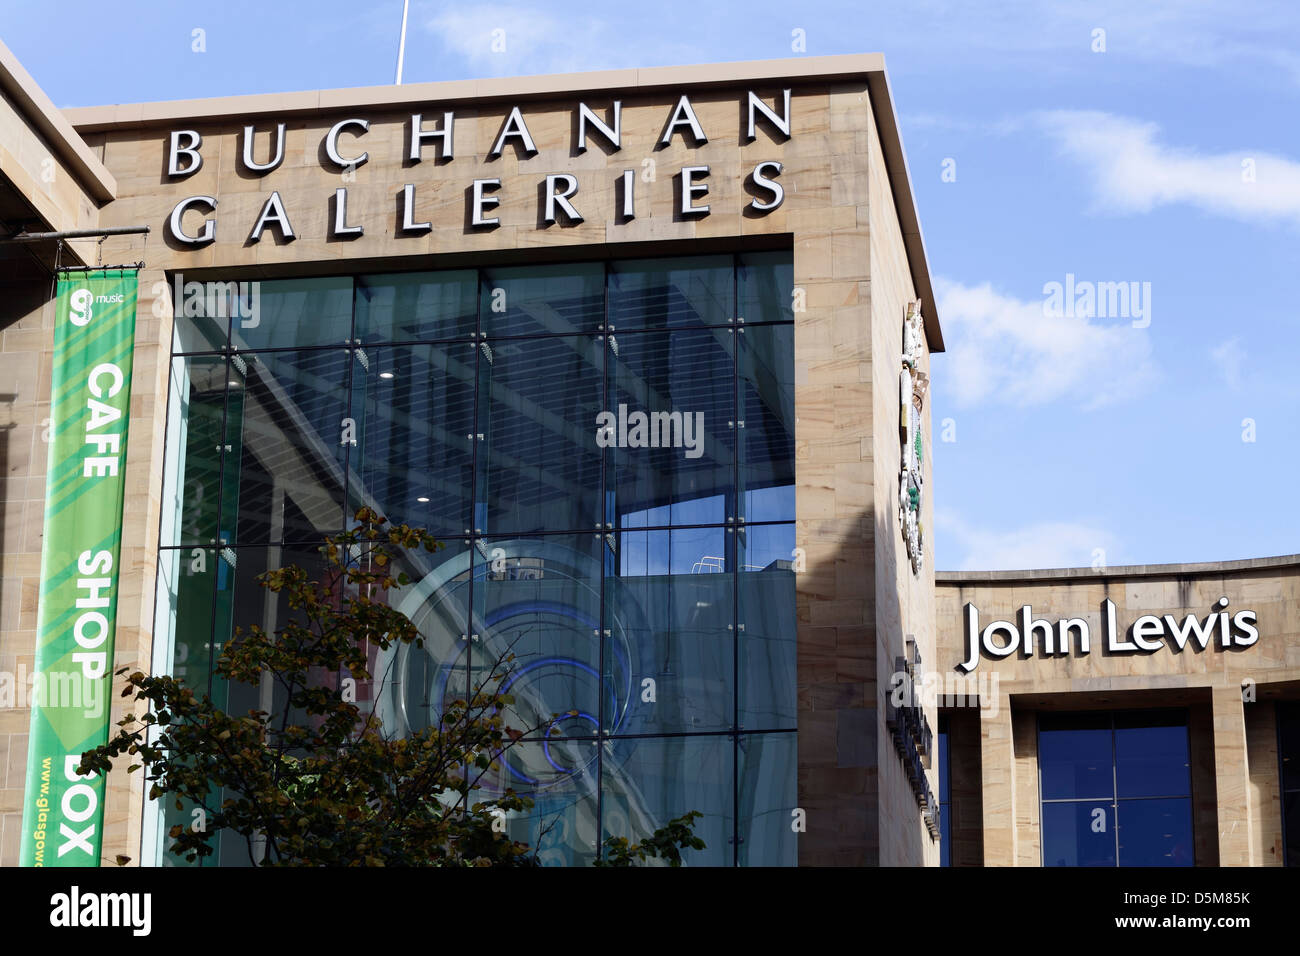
(650, 352)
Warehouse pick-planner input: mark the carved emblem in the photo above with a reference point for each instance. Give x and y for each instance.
(912, 386)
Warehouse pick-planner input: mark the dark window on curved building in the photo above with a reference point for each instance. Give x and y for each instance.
(1115, 789)
(945, 799)
(1288, 740)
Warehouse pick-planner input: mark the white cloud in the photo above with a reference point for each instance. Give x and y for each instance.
(1132, 171)
(1045, 544)
(1007, 350)
(1229, 357)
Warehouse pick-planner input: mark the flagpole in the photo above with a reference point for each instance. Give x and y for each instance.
(401, 43)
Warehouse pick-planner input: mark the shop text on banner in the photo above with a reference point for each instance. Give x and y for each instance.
(90, 401)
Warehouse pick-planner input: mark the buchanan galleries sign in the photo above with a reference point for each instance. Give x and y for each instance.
(1147, 635)
(343, 147)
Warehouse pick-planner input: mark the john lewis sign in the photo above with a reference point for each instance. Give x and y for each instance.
(1149, 634)
(343, 149)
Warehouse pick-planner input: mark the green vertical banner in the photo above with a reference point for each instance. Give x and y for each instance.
(90, 401)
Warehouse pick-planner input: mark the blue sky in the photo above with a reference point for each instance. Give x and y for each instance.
(1171, 157)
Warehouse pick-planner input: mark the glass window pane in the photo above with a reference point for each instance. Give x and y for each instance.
(1288, 720)
(413, 408)
(768, 794)
(944, 783)
(1079, 834)
(536, 300)
(203, 311)
(416, 683)
(670, 293)
(1291, 821)
(766, 396)
(648, 781)
(945, 809)
(538, 599)
(186, 603)
(1155, 832)
(539, 467)
(768, 633)
(1074, 756)
(1152, 760)
(195, 418)
(187, 579)
(296, 313)
(669, 614)
(671, 419)
(765, 282)
(417, 306)
(241, 602)
(560, 778)
(285, 431)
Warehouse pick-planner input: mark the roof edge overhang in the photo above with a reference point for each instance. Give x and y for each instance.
(846, 67)
(1085, 575)
(53, 124)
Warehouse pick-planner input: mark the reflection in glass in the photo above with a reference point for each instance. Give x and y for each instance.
(539, 467)
(671, 293)
(678, 463)
(560, 777)
(647, 593)
(414, 411)
(678, 622)
(945, 795)
(285, 429)
(1151, 755)
(767, 632)
(414, 684)
(1155, 833)
(537, 300)
(187, 612)
(768, 795)
(765, 391)
(200, 326)
(296, 313)
(538, 600)
(1074, 756)
(1288, 739)
(194, 425)
(417, 306)
(646, 782)
(1116, 789)
(765, 283)
(1079, 834)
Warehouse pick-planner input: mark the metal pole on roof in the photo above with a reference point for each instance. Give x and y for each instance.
(401, 43)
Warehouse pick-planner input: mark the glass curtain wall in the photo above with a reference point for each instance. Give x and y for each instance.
(606, 451)
(1116, 789)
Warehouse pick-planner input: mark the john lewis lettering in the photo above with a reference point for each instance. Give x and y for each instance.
(1149, 633)
(557, 203)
